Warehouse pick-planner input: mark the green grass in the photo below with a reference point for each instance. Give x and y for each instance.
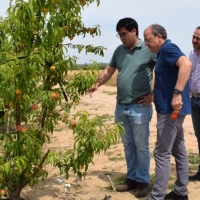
(116, 158)
(104, 118)
(170, 183)
(109, 92)
(194, 161)
(119, 180)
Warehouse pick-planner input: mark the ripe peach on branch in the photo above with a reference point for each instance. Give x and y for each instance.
(24, 129)
(52, 68)
(54, 95)
(18, 92)
(35, 106)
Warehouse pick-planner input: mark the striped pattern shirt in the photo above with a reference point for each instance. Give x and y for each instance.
(195, 73)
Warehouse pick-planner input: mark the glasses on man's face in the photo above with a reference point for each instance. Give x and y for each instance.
(122, 35)
(195, 37)
(149, 39)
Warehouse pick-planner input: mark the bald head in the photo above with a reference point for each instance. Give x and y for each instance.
(154, 37)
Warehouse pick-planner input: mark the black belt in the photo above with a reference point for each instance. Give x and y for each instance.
(196, 95)
(135, 101)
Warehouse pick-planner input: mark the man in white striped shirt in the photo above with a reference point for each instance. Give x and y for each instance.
(195, 90)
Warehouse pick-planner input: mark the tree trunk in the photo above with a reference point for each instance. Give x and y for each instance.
(15, 194)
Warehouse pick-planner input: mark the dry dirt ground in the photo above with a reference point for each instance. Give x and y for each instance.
(96, 184)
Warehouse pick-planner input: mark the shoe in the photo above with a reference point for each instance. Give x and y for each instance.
(196, 177)
(127, 185)
(142, 190)
(174, 196)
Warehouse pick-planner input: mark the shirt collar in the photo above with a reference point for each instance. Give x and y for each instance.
(166, 41)
(195, 51)
(140, 44)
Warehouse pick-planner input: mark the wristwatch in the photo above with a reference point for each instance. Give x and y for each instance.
(176, 91)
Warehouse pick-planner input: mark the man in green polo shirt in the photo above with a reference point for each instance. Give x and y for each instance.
(135, 63)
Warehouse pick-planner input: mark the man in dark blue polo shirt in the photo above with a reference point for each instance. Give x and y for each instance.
(135, 63)
(171, 92)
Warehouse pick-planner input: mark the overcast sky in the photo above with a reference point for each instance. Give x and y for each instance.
(179, 17)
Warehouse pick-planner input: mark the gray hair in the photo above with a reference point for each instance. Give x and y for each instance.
(158, 29)
(198, 28)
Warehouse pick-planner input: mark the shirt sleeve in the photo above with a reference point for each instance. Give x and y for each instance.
(172, 54)
(113, 62)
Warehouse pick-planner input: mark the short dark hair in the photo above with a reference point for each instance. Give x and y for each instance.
(158, 29)
(198, 28)
(128, 23)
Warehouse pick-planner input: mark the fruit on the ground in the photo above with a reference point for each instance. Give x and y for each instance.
(54, 95)
(35, 106)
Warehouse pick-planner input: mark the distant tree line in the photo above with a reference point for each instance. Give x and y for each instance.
(101, 66)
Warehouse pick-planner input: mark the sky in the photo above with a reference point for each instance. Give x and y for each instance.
(179, 17)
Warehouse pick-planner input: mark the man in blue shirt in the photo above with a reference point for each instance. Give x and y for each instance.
(171, 92)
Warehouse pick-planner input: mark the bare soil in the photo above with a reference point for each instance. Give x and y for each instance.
(96, 185)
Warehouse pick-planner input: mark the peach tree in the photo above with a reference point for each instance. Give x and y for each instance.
(35, 94)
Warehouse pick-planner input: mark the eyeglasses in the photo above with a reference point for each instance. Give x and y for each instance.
(195, 37)
(149, 39)
(122, 35)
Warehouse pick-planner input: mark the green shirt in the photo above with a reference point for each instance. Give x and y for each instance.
(135, 69)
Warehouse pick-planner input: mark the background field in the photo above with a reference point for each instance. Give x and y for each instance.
(111, 82)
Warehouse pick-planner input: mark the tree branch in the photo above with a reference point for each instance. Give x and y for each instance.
(37, 170)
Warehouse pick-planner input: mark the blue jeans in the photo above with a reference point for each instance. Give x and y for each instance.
(135, 120)
(195, 105)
